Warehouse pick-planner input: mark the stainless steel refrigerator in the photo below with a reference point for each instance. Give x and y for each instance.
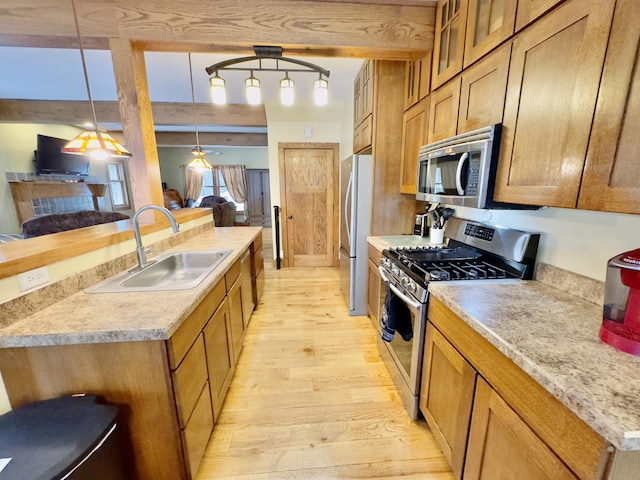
(355, 201)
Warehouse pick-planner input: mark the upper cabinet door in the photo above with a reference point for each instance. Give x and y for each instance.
(529, 10)
(551, 96)
(483, 90)
(451, 22)
(414, 135)
(611, 177)
(489, 23)
(443, 111)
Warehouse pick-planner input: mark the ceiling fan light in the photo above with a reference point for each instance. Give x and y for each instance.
(321, 92)
(287, 93)
(199, 163)
(218, 90)
(99, 145)
(252, 90)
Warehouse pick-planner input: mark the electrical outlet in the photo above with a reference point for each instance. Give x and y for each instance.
(33, 278)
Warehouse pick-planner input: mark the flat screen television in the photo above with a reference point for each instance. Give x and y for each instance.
(51, 160)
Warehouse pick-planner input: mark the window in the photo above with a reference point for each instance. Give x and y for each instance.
(213, 184)
(118, 185)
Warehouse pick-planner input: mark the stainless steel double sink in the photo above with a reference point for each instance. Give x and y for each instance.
(169, 271)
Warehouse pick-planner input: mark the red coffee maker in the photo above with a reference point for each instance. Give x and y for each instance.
(621, 321)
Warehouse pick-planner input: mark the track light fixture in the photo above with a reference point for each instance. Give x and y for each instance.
(252, 84)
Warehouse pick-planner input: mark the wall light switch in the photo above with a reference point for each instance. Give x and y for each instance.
(308, 132)
(33, 278)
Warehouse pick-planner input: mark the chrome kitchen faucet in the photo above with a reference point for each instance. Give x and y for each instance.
(142, 254)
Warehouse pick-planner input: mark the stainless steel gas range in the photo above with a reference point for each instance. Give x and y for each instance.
(474, 252)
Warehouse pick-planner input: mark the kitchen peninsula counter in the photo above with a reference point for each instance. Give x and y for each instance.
(553, 337)
(85, 318)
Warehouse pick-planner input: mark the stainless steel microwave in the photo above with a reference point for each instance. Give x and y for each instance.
(460, 170)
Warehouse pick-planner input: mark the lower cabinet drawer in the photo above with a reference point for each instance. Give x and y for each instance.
(195, 436)
(189, 379)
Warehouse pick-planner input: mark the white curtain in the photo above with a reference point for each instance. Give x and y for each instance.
(193, 180)
(236, 181)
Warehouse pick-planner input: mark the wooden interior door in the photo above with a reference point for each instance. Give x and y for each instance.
(309, 202)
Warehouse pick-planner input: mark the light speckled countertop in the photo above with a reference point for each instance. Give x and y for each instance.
(553, 336)
(130, 316)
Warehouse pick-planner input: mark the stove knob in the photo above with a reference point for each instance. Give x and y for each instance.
(384, 262)
(395, 270)
(412, 287)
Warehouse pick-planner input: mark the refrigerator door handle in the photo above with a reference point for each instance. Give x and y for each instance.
(347, 203)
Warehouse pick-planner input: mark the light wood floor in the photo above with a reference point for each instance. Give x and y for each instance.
(311, 398)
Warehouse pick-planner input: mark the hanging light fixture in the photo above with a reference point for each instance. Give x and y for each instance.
(321, 92)
(252, 90)
(252, 84)
(95, 142)
(198, 163)
(218, 90)
(287, 92)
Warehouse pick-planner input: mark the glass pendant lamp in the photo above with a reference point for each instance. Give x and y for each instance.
(94, 142)
(321, 92)
(287, 93)
(199, 162)
(218, 90)
(252, 90)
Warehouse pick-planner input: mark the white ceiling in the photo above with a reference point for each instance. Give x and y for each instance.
(56, 74)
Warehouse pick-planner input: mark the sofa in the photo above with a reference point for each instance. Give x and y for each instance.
(224, 211)
(60, 222)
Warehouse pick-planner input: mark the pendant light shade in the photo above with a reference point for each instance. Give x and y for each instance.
(218, 90)
(199, 163)
(98, 144)
(321, 92)
(95, 143)
(287, 94)
(252, 90)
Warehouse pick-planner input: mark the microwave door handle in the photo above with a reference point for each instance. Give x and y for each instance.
(463, 159)
(412, 303)
(347, 204)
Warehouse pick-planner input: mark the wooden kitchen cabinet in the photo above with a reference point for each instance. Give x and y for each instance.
(236, 321)
(195, 436)
(489, 23)
(553, 83)
(246, 277)
(189, 379)
(417, 80)
(446, 397)
(472, 100)
(611, 179)
(443, 111)
(363, 107)
(375, 287)
(501, 445)
(530, 10)
(414, 135)
(220, 364)
(483, 89)
(451, 23)
(257, 255)
(520, 416)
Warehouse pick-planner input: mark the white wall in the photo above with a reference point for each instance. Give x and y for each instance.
(330, 124)
(17, 143)
(173, 159)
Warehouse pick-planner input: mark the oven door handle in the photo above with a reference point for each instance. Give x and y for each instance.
(412, 303)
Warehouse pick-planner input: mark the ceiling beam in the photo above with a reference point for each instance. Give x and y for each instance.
(164, 113)
(220, 139)
(374, 29)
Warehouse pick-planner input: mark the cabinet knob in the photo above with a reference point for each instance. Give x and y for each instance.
(290, 217)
